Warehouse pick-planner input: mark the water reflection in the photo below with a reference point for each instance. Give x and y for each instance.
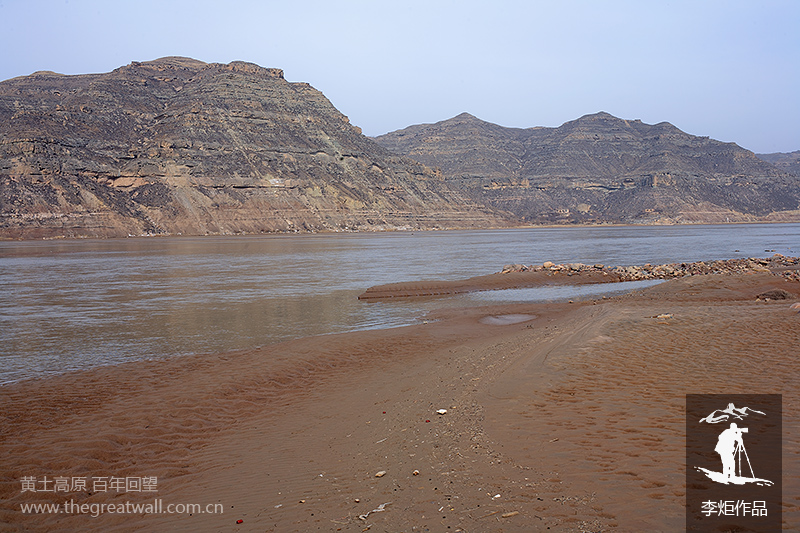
(559, 293)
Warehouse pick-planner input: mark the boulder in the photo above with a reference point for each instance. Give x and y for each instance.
(776, 294)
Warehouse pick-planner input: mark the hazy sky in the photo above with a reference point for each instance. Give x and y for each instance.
(722, 68)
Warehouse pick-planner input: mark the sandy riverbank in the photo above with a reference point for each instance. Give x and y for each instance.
(567, 416)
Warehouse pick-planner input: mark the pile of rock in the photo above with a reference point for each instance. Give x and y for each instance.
(788, 267)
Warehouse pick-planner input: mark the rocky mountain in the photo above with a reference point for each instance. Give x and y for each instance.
(788, 162)
(180, 146)
(600, 169)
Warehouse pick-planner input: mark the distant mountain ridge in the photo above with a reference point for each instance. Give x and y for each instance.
(599, 169)
(176, 145)
(788, 162)
(179, 146)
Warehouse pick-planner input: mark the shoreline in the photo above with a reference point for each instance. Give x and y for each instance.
(398, 230)
(547, 275)
(290, 437)
(551, 274)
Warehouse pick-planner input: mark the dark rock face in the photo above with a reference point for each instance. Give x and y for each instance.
(601, 169)
(180, 146)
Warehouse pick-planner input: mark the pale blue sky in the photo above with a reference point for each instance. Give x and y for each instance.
(722, 68)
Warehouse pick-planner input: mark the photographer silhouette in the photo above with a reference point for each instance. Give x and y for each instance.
(729, 442)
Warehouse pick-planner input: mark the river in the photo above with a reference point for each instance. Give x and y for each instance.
(74, 304)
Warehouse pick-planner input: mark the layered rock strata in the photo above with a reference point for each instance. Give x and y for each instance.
(602, 169)
(178, 146)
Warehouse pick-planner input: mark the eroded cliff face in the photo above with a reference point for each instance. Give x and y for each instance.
(178, 146)
(602, 169)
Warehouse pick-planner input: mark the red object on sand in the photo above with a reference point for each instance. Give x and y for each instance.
(239, 521)
(427, 421)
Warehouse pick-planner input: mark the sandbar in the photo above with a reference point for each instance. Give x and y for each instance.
(569, 419)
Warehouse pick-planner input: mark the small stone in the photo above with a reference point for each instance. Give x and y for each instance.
(415, 473)
(441, 412)
(514, 268)
(381, 473)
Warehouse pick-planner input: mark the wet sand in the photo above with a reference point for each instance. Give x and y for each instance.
(497, 281)
(567, 416)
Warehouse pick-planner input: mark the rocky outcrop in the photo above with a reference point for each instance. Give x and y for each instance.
(178, 146)
(787, 267)
(548, 274)
(600, 169)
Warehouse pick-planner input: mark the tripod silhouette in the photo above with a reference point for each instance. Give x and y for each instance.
(740, 449)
